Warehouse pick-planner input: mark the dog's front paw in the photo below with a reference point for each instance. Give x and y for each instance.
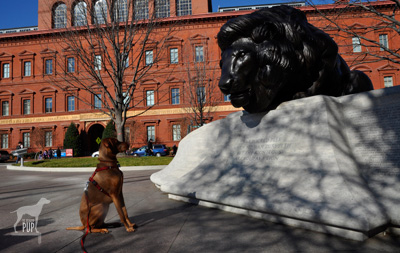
(130, 229)
(104, 231)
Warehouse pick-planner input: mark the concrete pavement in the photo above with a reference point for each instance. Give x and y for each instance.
(164, 225)
(79, 169)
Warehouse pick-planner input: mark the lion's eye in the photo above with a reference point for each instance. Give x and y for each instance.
(240, 54)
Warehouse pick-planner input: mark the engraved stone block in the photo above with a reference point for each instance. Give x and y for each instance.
(322, 163)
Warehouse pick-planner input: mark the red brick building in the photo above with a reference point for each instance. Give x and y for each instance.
(363, 54)
(38, 113)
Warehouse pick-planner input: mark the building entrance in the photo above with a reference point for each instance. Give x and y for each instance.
(94, 135)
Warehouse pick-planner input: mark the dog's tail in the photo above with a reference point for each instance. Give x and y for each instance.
(76, 228)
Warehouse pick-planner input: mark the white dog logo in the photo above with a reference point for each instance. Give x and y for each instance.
(33, 211)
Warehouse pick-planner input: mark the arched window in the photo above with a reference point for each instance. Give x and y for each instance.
(100, 12)
(79, 14)
(120, 11)
(60, 16)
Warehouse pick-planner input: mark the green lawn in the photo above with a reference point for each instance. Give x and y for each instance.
(92, 162)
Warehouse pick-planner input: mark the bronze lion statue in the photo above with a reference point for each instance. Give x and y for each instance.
(274, 55)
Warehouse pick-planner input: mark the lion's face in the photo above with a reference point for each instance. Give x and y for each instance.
(240, 77)
(236, 65)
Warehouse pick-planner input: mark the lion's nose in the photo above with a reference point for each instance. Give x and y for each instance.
(225, 85)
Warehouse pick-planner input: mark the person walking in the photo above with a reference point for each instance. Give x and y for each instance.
(150, 147)
(50, 153)
(58, 153)
(19, 146)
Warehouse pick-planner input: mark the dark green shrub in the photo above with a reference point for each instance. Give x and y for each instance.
(109, 131)
(30, 155)
(73, 140)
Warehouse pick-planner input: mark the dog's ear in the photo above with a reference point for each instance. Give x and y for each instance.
(107, 142)
(110, 142)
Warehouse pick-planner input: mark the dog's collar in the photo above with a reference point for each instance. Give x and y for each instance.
(111, 164)
(104, 168)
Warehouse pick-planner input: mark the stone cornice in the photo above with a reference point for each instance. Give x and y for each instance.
(101, 116)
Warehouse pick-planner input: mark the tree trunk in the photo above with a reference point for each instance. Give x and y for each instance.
(120, 127)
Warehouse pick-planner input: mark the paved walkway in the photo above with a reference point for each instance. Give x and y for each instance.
(164, 225)
(79, 169)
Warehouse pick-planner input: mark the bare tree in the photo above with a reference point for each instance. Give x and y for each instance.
(385, 17)
(42, 138)
(200, 87)
(115, 43)
(138, 133)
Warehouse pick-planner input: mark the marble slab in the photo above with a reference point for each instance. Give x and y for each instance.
(321, 163)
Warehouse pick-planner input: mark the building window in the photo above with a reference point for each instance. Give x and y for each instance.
(5, 108)
(162, 8)
(149, 57)
(176, 132)
(60, 16)
(49, 67)
(70, 103)
(126, 63)
(383, 41)
(97, 62)
(227, 98)
(150, 97)
(201, 94)
(175, 96)
(80, 14)
(120, 11)
(356, 45)
(6, 70)
(48, 138)
(388, 81)
(199, 53)
(151, 133)
(184, 7)
(100, 12)
(4, 141)
(27, 68)
(71, 65)
(173, 52)
(141, 9)
(97, 101)
(126, 97)
(26, 139)
(26, 106)
(48, 107)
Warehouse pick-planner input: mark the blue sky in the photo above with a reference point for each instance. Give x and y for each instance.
(21, 13)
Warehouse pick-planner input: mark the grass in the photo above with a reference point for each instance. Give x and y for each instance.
(92, 162)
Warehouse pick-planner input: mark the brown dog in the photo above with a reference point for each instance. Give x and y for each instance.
(104, 187)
